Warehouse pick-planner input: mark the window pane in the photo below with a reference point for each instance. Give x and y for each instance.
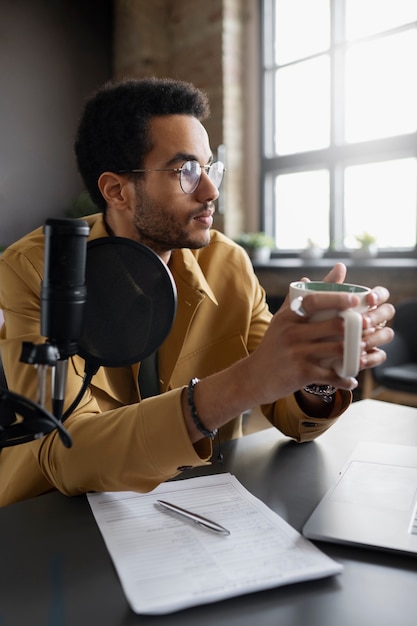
(302, 209)
(380, 198)
(303, 106)
(381, 88)
(367, 17)
(295, 37)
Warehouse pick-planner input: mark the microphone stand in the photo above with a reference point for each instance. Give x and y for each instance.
(63, 296)
(50, 355)
(37, 420)
(42, 356)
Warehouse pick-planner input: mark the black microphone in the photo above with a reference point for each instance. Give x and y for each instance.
(63, 294)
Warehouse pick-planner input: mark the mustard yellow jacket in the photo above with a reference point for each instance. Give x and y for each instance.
(120, 442)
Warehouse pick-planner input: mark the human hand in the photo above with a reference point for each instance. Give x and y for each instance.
(376, 332)
(295, 353)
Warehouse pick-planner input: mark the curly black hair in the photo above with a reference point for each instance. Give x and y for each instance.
(113, 131)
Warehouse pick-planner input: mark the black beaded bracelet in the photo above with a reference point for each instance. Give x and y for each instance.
(197, 421)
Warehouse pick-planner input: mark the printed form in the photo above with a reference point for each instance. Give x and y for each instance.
(166, 563)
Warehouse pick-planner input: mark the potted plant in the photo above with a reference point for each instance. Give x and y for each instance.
(257, 244)
(312, 250)
(367, 246)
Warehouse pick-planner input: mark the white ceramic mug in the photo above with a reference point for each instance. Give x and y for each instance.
(349, 367)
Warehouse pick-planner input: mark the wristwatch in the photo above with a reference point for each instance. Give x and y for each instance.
(324, 391)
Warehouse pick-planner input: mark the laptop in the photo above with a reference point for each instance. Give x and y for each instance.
(374, 502)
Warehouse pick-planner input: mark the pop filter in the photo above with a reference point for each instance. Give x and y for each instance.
(131, 303)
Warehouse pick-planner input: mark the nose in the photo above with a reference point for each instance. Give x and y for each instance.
(206, 190)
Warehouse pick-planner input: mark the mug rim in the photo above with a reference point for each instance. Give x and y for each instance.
(351, 287)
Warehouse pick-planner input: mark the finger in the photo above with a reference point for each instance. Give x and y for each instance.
(327, 376)
(319, 343)
(337, 274)
(372, 358)
(378, 296)
(317, 303)
(374, 339)
(376, 316)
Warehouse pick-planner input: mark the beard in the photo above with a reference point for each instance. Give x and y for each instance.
(160, 228)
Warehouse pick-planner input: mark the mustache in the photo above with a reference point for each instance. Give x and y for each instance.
(207, 207)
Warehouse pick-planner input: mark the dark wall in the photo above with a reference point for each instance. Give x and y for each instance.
(53, 53)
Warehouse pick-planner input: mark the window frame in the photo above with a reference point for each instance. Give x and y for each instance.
(338, 155)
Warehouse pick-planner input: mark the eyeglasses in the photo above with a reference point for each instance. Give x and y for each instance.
(190, 174)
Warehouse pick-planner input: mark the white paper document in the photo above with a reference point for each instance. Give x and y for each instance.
(166, 563)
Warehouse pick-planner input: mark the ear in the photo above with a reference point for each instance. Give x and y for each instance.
(114, 189)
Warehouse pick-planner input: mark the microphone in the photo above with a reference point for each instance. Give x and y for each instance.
(63, 295)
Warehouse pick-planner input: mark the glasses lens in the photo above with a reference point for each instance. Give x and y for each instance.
(215, 173)
(190, 176)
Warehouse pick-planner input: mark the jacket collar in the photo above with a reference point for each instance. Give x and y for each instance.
(184, 266)
(97, 226)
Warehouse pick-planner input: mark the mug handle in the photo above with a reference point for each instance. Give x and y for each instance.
(352, 344)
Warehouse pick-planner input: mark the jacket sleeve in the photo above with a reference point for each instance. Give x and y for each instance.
(113, 441)
(287, 416)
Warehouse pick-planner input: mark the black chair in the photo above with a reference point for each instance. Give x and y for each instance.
(7, 415)
(399, 371)
(3, 382)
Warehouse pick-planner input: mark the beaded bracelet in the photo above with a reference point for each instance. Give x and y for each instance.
(197, 421)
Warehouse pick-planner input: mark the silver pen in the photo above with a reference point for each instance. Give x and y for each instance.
(197, 519)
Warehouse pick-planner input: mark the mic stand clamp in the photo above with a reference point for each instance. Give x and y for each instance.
(37, 421)
(42, 356)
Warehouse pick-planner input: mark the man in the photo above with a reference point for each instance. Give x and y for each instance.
(146, 161)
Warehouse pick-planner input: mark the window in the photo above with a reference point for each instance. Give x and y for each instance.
(340, 122)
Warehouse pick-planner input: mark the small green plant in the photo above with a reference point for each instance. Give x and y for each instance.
(365, 239)
(252, 241)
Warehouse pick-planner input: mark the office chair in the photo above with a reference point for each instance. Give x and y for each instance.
(399, 372)
(3, 383)
(7, 415)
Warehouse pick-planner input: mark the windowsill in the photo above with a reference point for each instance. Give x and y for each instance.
(397, 274)
(379, 262)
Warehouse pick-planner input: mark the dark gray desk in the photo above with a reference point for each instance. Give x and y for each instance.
(55, 569)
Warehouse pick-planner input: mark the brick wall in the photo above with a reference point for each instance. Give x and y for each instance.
(202, 42)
